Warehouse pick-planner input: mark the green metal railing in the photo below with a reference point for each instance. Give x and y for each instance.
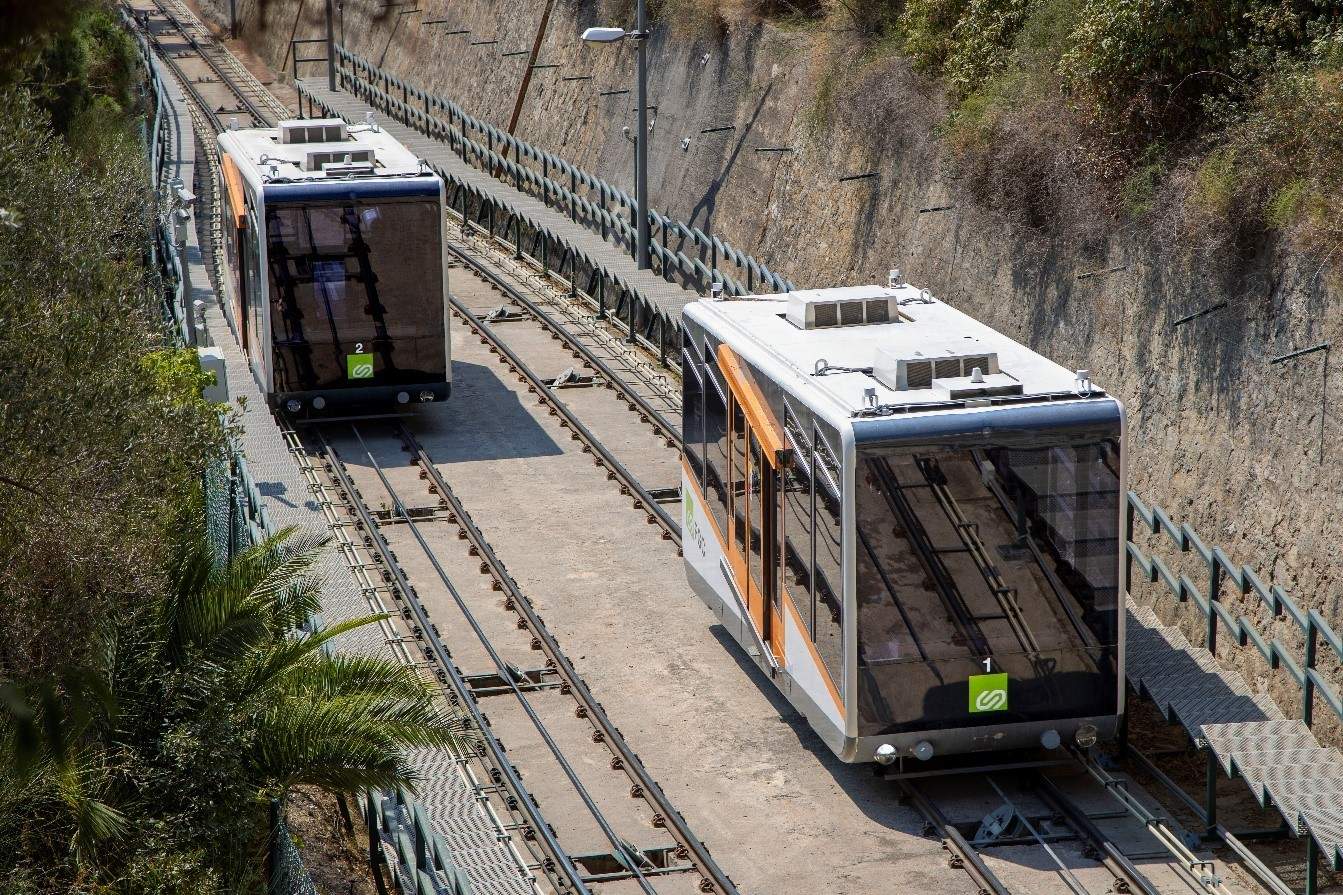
(425, 864)
(1221, 572)
(558, 183)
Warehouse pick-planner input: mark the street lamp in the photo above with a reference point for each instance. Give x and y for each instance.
(640, 37)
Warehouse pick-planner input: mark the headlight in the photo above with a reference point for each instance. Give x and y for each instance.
(1086, 736)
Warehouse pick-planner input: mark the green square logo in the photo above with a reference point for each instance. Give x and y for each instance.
(359, 366)
(988, 693)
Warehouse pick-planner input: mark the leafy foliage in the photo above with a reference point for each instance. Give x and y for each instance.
(1232, 105)
(150, 704)
(99, 441)
(204, 703)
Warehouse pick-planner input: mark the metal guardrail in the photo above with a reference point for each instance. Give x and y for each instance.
(491, 149)
(1221, 570)
(424, 865)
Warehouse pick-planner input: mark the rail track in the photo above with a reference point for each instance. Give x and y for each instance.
(653, 397)
(213, 76)
(605, 844)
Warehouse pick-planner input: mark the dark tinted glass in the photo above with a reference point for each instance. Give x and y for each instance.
(797, 497)
(356, 294)
(1006, 552)
(715, 436)
(692, 410)
(829, 546)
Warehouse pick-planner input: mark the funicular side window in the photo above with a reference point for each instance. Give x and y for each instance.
(692, 406)
(798, 510)
(716, 442)
(829, 566)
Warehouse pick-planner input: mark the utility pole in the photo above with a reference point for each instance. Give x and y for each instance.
(641, 145)
(640, 37)
(531, 66)
(233, 19)
(330, 46)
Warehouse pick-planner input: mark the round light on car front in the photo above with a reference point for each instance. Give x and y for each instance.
(318, 403)
(426, 396)
(403, 397)
(293, 405)
(923, 750)
(1050, 739)
(885, 754)
(1086, 736)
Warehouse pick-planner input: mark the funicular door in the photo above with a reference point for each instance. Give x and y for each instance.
(755, 533)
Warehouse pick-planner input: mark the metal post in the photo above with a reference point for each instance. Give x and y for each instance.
(531, 66)
(1214, 597)
(233, 19)
(374, 840)
(330, 46)
(1308, 684)
(641, 145)
(1210, 809)
(1312, 866)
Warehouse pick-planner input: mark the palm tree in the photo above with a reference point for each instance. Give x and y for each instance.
(230, 662)
(245, 635)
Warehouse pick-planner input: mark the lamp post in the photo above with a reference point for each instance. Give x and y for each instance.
(330, 46)
(640, 37)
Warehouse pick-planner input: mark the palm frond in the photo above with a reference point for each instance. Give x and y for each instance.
(335, 676)
(270, 665)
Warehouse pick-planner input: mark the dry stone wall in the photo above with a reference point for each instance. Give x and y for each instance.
(1220, 437)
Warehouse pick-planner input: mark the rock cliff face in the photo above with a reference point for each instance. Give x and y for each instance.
(1220, 437)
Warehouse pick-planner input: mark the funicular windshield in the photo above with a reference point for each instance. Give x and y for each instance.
(988, 577)
(356, 291)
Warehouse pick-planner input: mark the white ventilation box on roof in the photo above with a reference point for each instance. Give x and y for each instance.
(347, 159)
(313, 130)
(960, 375)
(856, 306)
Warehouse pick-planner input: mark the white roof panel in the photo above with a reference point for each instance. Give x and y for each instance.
(257, 150)
(756, 328)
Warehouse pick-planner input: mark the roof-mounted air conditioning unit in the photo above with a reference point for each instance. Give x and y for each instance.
(313, 130)
(906, 372)
(324, 159)
(827, 308)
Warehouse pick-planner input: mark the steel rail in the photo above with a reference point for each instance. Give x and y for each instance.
(501, 666)
(499, 760)
(713, 874)
(238, 74)
(669, 429)
(230, 82)
(970, 860)
(1201, 873)
(1114, 860)
(1065, 872)
(628, 480)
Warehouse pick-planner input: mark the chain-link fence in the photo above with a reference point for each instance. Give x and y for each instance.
(288, 876)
